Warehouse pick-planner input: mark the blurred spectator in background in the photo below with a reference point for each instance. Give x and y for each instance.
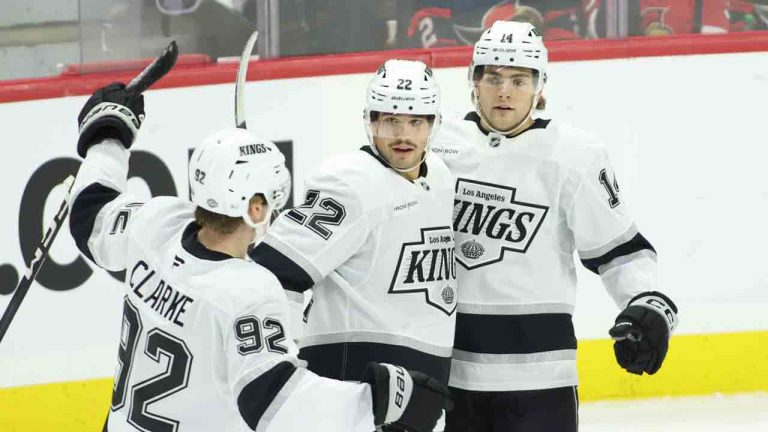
(667, 17)
(326, 26)
(431, 24)
(748, 15)
(213, 27)
(461, 22)
(293, 27)
(383, 30)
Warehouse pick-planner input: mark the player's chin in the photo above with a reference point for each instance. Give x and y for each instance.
(404, 161)
(504, 121)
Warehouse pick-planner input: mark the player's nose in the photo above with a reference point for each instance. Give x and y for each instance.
(505, 90)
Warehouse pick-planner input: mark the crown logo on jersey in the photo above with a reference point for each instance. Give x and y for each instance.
(488, 222)
(472, 249)
(427, 266)
(448, 295)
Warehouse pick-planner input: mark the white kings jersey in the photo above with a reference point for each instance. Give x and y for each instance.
(204, 344)
(379, 251)
(523, 206)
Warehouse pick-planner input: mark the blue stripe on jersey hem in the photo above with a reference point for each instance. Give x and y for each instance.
(347, 360)
(636, 244)
(291, 275)
(84, 211)
(257, 395)
(514, 334)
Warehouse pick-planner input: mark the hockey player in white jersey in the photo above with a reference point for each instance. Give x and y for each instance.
(204, 344)
(529, 193)
(374, 240)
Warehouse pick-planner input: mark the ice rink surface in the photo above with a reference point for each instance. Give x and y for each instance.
(722, 413)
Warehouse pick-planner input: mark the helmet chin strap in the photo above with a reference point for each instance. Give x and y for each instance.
(514, 129)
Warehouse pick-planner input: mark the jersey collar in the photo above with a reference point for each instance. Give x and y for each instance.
(537, 123)
(191, 244)
(367, 149)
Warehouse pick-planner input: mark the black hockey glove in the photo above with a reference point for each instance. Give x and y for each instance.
(111, 112)
(642, 332)
(405, 400)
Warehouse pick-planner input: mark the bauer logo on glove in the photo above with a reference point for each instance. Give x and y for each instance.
(111, 112)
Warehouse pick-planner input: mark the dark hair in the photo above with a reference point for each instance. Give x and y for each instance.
(220, 223)
(477, 75)
(217, 222)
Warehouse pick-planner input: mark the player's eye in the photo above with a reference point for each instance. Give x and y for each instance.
(493, 80)
(416, 122)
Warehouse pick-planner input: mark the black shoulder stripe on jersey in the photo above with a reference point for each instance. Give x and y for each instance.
(291, 276)
(347, 361)
(475, 118)
(514, 334)
(85, 208)
(636, 244)
(257, 395)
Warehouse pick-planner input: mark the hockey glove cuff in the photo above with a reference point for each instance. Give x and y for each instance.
(407, 400)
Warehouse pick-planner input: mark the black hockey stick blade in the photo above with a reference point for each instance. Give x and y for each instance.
(242, 72)
(156, 70)
(37, 261)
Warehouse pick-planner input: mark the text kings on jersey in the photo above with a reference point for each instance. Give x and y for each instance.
(488, 221)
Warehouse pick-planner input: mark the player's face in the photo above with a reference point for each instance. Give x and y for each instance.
(401, 138)
(505, 95)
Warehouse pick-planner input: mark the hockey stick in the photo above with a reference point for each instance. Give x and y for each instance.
(156, 70)
(242, 71)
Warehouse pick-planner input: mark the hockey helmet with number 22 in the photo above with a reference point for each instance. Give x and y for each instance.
(402, 87)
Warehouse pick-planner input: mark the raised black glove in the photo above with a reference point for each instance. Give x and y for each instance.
(110, 112)
(642, 331)
(405, 400)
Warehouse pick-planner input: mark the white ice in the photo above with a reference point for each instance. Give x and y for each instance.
(721, 413)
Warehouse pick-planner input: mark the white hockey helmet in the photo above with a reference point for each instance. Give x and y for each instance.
(513, 44)
(509, 44)
(230, 167)
(403, 87)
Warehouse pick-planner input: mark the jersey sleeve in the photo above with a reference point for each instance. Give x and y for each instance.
(273, 390)
(607, 239)
(308, 242)
(101, 212)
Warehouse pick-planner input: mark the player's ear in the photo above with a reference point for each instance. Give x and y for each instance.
(257, 208)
